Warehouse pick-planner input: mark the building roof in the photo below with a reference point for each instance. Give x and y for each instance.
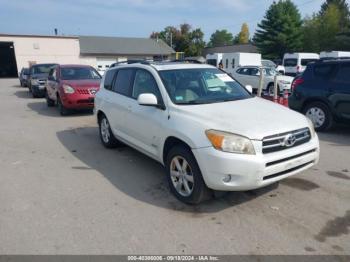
(98, 45)
(242, 48)
(38, 36)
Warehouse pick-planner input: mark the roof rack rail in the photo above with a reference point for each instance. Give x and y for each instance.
(129, 62)
(334, 58)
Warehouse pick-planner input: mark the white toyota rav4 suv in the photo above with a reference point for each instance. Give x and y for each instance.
(207, 129)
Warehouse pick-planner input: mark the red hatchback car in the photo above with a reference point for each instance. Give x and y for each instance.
(72, 87)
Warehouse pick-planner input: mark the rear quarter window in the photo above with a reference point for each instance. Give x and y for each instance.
(109, 79)
(343, 74)
(123, 82)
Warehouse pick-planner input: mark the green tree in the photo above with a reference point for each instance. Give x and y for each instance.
(243, 36)
(344, 12)
(220, 38)
(280, 31)
(183, 39)
(325, 30)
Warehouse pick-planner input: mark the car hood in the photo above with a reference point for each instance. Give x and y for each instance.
(285, 78)
(82, 83)
(254, 118)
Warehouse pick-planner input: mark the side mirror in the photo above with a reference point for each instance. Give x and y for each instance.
(249, 88)
(147, 100)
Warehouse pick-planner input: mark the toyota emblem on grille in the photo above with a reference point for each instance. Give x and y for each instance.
(289, 140)
(93, 91)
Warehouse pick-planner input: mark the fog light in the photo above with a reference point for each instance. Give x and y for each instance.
(227, 178)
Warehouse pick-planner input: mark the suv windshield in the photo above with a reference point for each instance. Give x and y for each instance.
(291, 62)
(79, 73)
(42, 69)
(201, 86)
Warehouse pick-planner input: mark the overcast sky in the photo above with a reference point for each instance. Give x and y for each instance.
(134, 18)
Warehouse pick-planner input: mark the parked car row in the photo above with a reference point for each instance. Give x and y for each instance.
(203, 125)
(70, 87)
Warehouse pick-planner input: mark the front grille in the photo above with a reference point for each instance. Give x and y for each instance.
(289, 158)
(285, 172)
(83, 91)
(42, 82)
(86, 101)
(286, 140)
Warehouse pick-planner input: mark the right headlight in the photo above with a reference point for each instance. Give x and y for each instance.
(231, 143)
(68, 89)
(34, 82)
(312, 127)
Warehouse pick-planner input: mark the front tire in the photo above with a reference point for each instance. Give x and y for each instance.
(61, 108)
(320, 115)
(49, 101)
(107, 137)
(184, 176)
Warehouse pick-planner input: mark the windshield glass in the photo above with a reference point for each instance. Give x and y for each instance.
(271, 71)
(201, 86)
(291, 62)
(43, 69)
(79, 73)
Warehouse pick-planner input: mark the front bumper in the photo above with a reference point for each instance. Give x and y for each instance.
(38, 90)
(78, 101)
(250, 172)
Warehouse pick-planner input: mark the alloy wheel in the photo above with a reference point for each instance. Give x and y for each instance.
(317, 116)
(181, 176)
(104, 126)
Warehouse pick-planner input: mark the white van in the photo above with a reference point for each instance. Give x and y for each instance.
(334, 54)
(214, 59)
(231, 61)
(295, 63)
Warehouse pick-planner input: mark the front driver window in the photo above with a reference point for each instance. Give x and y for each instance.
(145, 84)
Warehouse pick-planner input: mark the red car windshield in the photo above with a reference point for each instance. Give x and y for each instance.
(79, 73)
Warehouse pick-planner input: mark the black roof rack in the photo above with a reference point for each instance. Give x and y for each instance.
(334, 58)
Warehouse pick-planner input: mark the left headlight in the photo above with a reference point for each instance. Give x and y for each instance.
(68, 89)
(34, 82)
(312, 127)
(231, 143)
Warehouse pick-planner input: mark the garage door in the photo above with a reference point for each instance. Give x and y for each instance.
(8, 65)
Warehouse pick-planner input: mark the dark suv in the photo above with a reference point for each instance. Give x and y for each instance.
(322, 93)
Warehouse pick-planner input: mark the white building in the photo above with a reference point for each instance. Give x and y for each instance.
(18, 51)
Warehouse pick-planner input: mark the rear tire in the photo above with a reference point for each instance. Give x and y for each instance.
(184, 176)
(320, 115)
(106, 135)
(61, 108)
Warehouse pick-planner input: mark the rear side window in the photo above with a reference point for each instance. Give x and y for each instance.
(343, 74)
(109, 79)
(123, 82)
(290, 62)
(305, 62)
(324, 71)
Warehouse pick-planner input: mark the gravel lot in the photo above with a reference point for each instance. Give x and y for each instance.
(61, 192)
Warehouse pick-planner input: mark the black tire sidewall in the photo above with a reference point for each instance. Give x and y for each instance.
(61, 108)
(113, 142)
(200, 191)
(329, 119)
